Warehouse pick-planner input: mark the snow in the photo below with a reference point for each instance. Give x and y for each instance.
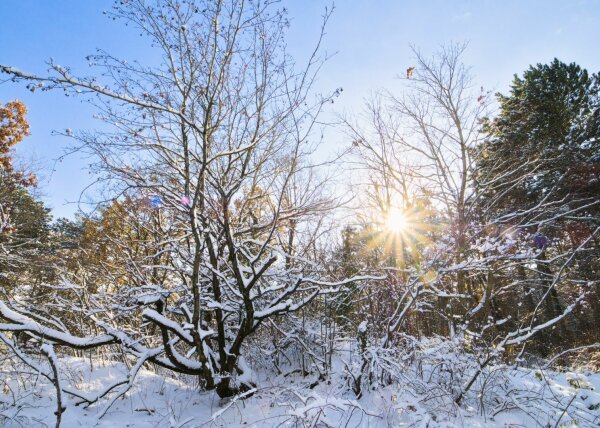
(271, 310)
(27, 324)
(168, 324)
(160, 400)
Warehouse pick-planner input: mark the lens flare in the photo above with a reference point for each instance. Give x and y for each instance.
(396, 221)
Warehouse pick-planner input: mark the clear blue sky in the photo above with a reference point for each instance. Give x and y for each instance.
(371, 37)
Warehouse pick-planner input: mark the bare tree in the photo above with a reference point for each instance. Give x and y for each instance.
(442, 125)
(217, 140)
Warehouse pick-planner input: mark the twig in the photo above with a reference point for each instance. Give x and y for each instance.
(48, 351)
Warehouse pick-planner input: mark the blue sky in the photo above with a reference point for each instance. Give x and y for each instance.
(371, 39)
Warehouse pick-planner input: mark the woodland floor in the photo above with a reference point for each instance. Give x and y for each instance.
(539, 399)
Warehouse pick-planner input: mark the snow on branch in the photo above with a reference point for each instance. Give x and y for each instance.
(164, 322)
(26, 324)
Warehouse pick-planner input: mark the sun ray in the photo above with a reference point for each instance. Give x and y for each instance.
(400, 233)
(396, 221)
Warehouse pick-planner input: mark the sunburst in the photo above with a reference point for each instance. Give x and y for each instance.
(402, 233)
(396, 221)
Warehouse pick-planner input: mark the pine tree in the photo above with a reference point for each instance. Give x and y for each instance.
(543, 149)
(550, 119)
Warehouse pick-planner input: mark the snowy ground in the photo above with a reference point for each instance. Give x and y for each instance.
(159, 401)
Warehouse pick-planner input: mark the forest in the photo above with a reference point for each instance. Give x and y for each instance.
(441, 269)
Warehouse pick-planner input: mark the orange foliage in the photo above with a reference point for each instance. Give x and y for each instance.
(13, 128)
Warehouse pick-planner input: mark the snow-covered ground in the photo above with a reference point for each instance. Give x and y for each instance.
(515, 397)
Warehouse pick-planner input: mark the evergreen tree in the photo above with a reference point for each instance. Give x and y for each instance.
(543, 149)
(550, 120)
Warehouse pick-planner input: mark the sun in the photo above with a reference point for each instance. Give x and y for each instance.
(396, 221)
(401, 232)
